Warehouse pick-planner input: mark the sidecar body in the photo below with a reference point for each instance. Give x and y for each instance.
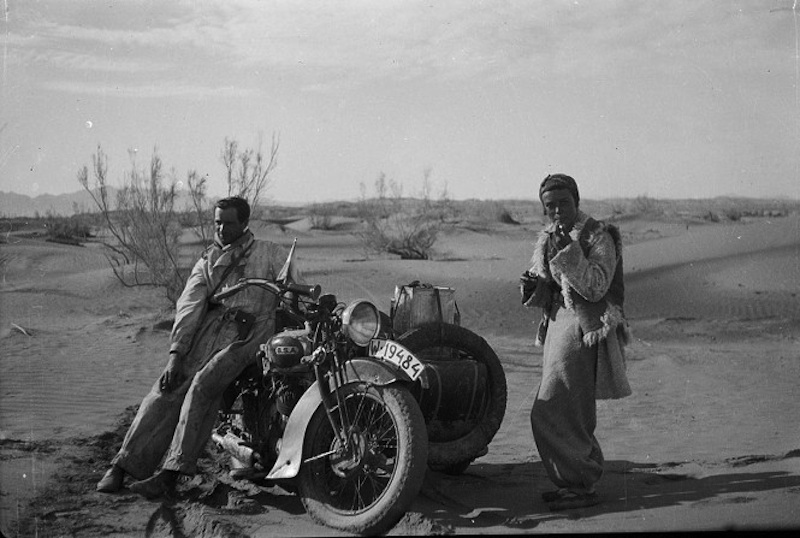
(462, 391)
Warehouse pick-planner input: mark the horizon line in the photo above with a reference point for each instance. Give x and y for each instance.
(269, 201)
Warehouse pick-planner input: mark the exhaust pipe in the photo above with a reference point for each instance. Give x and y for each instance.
(234, 445)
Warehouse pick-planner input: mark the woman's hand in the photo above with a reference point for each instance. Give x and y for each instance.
(527, 285)
(562, 236)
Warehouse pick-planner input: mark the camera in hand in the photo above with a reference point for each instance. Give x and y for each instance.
(529, 277)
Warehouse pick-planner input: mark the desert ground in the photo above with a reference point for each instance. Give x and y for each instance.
(709, 439)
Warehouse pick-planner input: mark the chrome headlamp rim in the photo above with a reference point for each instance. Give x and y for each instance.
(361, 321)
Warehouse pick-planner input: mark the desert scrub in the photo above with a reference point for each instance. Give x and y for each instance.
(143, 224)
(69, 230)
(486, 212)
(732, 213)
(396, 225)
(644, 206)
(248, 171)
(321, 216)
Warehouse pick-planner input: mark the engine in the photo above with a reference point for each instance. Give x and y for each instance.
(284, 351)
(282, 364)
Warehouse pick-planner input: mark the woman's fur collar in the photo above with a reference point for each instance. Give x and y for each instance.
(613, 317)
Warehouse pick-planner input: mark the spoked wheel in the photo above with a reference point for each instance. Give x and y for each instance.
(363, 478)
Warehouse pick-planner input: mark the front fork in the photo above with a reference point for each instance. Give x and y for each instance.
(327, 394)
(331, 400)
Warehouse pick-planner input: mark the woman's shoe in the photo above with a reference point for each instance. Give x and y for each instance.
(570, 500)
(550, 496)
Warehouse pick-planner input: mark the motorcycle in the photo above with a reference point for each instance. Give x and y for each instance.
(327, 409)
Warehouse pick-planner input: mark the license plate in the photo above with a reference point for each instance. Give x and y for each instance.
(391, 351)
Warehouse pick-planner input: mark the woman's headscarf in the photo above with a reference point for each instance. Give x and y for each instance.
(560, 181)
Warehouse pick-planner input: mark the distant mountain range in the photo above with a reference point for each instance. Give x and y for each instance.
(21, 205)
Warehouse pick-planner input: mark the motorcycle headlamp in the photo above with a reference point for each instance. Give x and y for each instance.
(361, 322)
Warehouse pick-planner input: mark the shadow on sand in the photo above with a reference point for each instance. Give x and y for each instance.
(509, 495)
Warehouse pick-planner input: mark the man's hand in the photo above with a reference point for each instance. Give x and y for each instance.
(172, 376)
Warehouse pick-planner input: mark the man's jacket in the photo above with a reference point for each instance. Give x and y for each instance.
(252, 259)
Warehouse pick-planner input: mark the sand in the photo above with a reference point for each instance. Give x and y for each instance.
(709, 440)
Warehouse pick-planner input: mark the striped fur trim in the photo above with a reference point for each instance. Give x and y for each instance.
(612, 319)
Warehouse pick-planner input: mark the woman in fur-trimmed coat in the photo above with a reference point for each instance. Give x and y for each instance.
(576, 279)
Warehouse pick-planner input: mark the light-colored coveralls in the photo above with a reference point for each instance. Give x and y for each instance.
(179, 423)
(578, 366)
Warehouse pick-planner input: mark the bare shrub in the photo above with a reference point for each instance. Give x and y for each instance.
(645, 206)
(70, 230)
(490, 212)
(441, 208)
(396, 225)
(248, 171)
(618, 210)
(247, 174)
(142, 222)
(321, 216)
(733, 213)
(197, 219)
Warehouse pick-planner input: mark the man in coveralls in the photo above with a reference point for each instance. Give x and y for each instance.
(211, 344)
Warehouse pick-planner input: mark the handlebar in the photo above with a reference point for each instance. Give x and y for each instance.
(278, 288)
(312, 292)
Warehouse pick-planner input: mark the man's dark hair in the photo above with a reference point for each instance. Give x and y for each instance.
(239, 204)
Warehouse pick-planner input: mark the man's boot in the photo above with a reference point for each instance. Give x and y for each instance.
(112, 480)
(161, 484)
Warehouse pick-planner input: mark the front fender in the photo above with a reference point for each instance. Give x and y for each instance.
(355, 370)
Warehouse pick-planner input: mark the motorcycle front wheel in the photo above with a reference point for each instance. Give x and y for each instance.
(363, 478)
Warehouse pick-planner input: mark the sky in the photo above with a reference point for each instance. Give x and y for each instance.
(671, 99)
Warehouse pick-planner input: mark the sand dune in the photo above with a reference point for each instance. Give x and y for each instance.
(708, 439)
(705, 242)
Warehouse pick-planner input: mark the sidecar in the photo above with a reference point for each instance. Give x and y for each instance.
(462, 393)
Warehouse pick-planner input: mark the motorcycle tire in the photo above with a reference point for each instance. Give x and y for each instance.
(367, 488)
(452, 450)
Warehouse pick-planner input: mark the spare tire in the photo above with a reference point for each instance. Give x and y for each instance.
(465, 398)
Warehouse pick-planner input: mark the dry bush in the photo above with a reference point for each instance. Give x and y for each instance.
(486, 212)
(733, 213)
(348, 210)
(142, 222)
(618, 210)
(644, 206)
(198, 218)
(248, 170)
(145, 223)
(70, 230)
(395, 225)
(247, 175)
(321, 216)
